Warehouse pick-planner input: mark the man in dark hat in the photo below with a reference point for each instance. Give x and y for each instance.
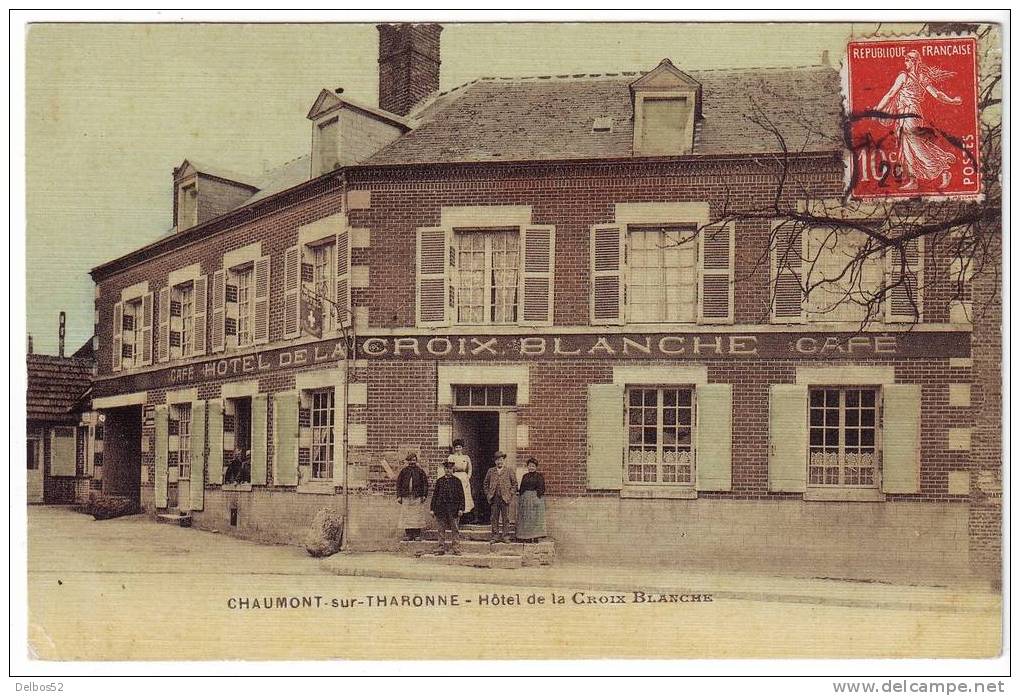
(500, 488)
(447, 505)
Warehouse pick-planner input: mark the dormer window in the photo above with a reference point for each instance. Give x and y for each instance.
(187, 205)
(667, 103)
(327, 145)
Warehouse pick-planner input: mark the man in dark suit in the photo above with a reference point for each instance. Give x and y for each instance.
(447, 506)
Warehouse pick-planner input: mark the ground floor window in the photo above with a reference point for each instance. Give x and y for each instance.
(181, 414)
(237, 440)
(843, 427)
(322, 417)
(660, 435)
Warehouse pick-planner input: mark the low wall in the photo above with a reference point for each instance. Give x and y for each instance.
(899, 541)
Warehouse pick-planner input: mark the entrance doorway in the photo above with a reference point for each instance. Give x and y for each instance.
(485, 418)
(480, 432)
(122, 452)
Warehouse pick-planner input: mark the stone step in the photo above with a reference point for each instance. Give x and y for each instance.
(477, 560)
(474, 532)
(539, 553)
(181, 520)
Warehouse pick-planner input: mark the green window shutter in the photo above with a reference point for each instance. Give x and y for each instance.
(198, 439)
(285, 438)
(788, 438)
(216, 441)
(605, 436)
(162, 441)
(714, 437)
(901, 438)
(259, 435)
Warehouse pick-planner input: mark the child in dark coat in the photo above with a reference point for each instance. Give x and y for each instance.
(447, 506)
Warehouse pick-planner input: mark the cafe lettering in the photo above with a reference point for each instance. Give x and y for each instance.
(627, 346)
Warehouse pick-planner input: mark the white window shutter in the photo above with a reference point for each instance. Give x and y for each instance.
(607, 261)
(164, 325)
(901, 438)
(201, 300)
(787, 273)
(716, 291)
(713, 456)
(217, 328)
(605, 436)
(117, 349)
(259, 438)
(904, 301)
(788, 437)
(162, 445)
(292, 292)
(285, 438)
(260, 333)
(433, 276)
(198, 440)
(343, 277)
(216, 441)
(539, 272)
(339, 423)
(147, 329)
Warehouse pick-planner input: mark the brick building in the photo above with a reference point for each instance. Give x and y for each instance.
(60, 431)
(547, 266)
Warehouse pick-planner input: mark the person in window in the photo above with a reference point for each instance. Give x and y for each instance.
(531, 504)
(447, 504)
(500, 488)
(234, 468)
(462, 470)
(412, 489)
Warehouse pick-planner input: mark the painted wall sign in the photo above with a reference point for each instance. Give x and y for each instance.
(615, 347)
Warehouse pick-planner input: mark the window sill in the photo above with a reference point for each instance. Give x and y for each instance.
(242, 487)
(659, 492)
(317, 488)
(859, 495)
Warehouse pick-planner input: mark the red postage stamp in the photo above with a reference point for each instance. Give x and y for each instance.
(912, 112)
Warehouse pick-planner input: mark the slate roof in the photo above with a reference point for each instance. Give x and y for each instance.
(520, 119)
(56, 386)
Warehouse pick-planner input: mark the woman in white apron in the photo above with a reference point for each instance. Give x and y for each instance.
(462, 470)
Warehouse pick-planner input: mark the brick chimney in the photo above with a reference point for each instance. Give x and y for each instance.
(408, 65)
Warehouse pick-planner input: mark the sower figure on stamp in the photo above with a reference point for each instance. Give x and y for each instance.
(500, 488)
(412, 489)
(447, 506)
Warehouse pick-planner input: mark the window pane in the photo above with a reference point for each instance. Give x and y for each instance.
(665, 122)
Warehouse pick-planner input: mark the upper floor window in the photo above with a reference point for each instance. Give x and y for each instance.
(488, 276)
(677, 273)
(182, 315)
(240, 300)
(830, 274)
(476, 276)
(132, 329)
(663, 280)
(317, 279)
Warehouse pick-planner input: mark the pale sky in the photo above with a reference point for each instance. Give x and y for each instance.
(112, 109)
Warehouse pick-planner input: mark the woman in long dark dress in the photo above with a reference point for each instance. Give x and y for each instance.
(531, 504)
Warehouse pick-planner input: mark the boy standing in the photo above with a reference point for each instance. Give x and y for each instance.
(500, 488)
(447, 505)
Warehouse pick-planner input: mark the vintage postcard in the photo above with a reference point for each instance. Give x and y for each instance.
(442, 340)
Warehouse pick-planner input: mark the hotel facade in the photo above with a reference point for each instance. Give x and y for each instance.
(554, 267)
